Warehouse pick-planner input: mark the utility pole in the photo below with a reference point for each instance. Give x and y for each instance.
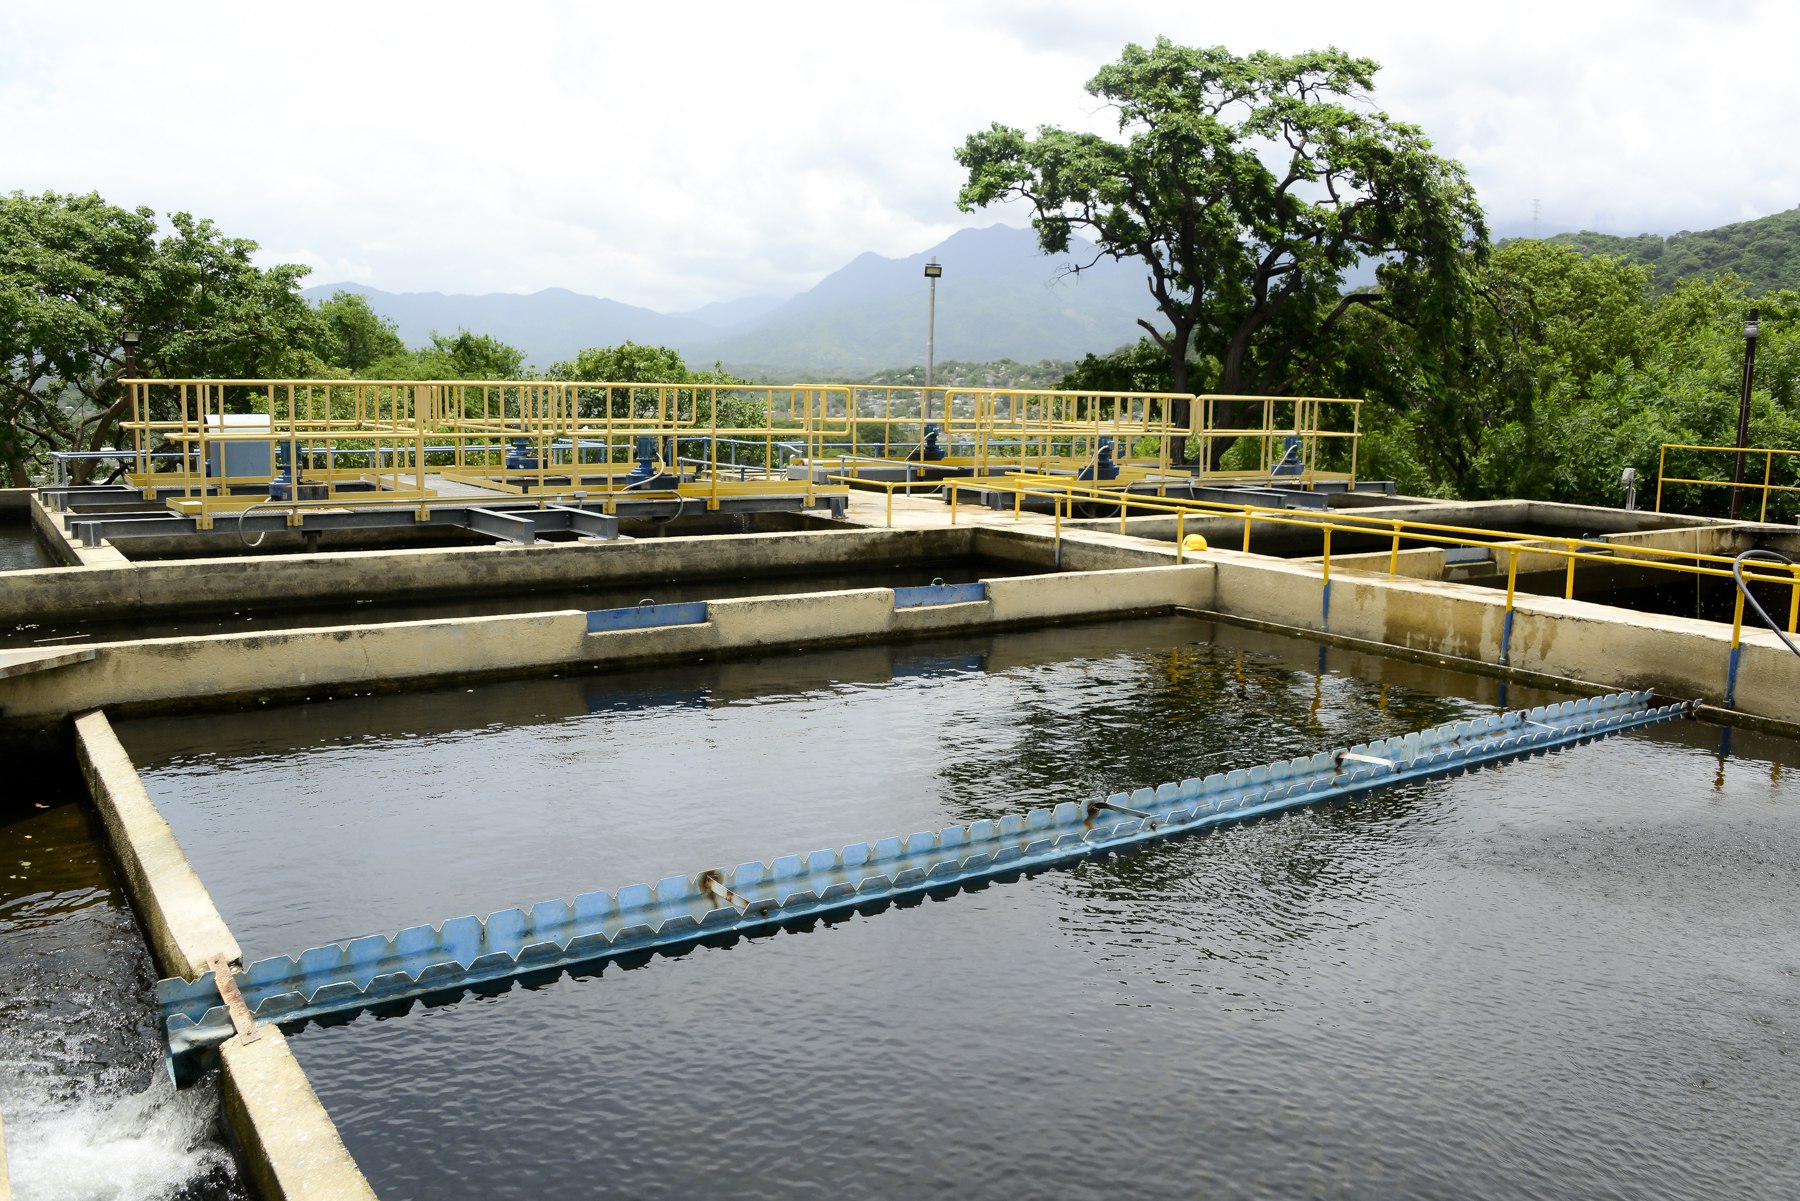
(1743, 439)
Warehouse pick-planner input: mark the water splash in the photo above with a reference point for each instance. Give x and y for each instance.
(153, 1145)
(89, 1113)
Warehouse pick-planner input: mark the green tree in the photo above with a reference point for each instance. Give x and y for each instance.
(356, 335)
(1246, 260)
(459, 356)
(1141, 367)
(633, 363)
(1685, 388)
(76, 273)
(1547, 321)
(626, 363)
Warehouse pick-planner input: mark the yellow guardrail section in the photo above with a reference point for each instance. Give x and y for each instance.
(352, 435)
(1568, 551)
(1765, 487)
(392, 434)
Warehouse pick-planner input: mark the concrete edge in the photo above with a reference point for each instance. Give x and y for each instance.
(5, 1179)
(15, 663)
(50, 530)
(289, 1143)
(184, 928)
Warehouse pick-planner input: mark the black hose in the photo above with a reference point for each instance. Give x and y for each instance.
(1737, 573)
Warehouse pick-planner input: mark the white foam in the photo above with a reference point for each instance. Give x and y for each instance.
(145, 1145)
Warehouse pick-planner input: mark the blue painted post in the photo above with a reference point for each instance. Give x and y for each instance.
(1737, 636)
(1325, 592)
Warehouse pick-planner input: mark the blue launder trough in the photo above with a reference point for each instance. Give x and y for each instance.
(681, 911)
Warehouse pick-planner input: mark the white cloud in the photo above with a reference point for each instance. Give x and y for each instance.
(704, 151)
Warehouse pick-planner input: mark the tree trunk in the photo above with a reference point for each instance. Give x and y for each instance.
(1180, 411)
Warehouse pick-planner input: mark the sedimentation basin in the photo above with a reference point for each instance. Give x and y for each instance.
(1391, 948)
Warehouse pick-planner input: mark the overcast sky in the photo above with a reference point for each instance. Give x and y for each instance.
(670, 155)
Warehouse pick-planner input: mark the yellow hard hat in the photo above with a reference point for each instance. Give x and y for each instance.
(1193, 542)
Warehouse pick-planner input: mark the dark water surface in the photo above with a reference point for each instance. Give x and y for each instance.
(1575, 976)
(603, 594)
(90, 1115)
(20, 549)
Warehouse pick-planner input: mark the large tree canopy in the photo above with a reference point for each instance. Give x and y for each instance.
(1248, 187)
(76, 273)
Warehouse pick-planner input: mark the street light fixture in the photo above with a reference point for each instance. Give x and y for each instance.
(932, 272)
(1751, 328)
(129, 340)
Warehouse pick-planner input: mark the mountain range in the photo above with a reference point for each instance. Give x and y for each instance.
(998, 298)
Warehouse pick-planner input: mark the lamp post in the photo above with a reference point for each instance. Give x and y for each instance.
(1743, 434)
(932, 272)
(129, 340)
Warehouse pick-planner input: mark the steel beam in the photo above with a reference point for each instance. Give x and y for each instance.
(508, 527)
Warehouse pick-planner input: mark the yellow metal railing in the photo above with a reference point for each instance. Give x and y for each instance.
(1765, 487)
(392, 434)
(1065, 495)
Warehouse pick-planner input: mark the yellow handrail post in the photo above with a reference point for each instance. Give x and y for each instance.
(1662, 459)
(1328, 554)
(1181, 545)
(1246, 531)
(1569, 585)
(1762, 514)
(1394, 554)
(1794, 601)
(953, 491)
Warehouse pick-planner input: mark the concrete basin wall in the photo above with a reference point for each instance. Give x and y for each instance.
(248, 667)
(127, 590)
(1577, 640)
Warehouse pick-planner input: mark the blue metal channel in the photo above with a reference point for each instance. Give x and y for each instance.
(1731, 677)
(641, 617)
(1506, 639)
(680, 911)
(939, 594)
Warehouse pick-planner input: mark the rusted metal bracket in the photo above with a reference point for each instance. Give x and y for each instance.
(712, 883)
(234, 1000)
